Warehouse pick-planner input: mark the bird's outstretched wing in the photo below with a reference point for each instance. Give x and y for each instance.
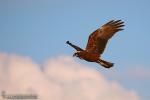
(74, 46)
(98, 39)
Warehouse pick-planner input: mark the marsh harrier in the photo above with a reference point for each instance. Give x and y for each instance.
(97, 42)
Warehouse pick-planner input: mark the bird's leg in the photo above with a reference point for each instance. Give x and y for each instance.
(74, 46)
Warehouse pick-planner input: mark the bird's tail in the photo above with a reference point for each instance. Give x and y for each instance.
(105, 63)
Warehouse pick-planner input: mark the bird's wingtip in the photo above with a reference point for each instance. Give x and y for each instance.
(67, 42)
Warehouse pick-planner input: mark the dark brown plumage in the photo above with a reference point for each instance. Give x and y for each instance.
(97, 42)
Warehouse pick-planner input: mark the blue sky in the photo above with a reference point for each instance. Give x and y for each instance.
(40, 28)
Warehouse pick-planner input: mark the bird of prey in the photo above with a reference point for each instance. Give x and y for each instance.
(97, 42)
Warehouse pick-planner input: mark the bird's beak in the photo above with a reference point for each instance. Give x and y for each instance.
(74, 54)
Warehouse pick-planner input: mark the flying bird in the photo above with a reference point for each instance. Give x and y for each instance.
(97, 43)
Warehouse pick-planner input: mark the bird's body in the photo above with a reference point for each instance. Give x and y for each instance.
(88, 56)
(97, 42)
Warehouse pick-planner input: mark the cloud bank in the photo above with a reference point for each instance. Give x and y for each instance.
(60, 78)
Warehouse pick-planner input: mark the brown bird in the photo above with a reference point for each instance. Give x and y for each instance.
(97, 42)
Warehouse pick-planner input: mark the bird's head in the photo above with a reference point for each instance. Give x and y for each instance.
(76, 54)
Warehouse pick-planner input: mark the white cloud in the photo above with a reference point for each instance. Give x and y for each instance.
(60, 79)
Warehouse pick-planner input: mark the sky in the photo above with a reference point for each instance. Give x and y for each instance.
(38, 29)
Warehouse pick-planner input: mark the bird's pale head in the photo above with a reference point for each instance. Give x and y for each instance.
(76, 54)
